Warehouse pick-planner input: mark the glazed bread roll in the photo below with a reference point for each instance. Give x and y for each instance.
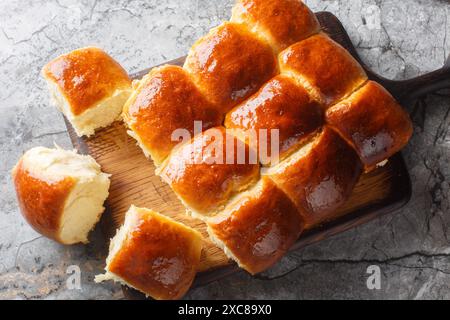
(279, 105)
(319, 177)
(60, 193)
(88, 87)
(229, 64)
(153, 254)
(207, 171)
(166, 100)
(269, 68)
(281, 23)
(257, 227)
(372, 122)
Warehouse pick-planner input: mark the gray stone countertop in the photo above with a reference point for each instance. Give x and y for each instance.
(398, 39)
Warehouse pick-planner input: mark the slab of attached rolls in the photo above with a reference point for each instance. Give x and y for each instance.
(269, 68)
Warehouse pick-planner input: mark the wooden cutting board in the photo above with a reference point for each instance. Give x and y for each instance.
(134, 182)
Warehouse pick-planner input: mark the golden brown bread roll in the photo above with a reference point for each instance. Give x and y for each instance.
(202, 176)
(373, 122)
(281, 22)
(165, 100)
(88, 87)
(323, 67)
(279, 105)
(153, 254)
(60, 193)
(229, 64)
(257, 228)
(319, 177)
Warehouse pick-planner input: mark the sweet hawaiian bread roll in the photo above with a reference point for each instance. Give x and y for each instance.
(372, 122)
(280, 107)
(229, 64)
(166, 100)
(281, 22)
(324, 67)
(153, 254)
(257, 227)
(88, 87)
(60, 193)
(207, 171)
(319, 177)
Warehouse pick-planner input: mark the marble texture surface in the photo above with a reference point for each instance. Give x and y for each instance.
(399, 39)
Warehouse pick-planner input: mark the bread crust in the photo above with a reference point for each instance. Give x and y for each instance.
(159, 256)
(203, 183)
(282, 22)
(372, 122)
(42, 201)
(279, 105)
(166, 100)
(320, 180)
(258, 228)
(230, 64)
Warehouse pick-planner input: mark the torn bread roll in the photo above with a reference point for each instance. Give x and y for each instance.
(60, 193)
(88, 87)
(153, 254)
(257, 227)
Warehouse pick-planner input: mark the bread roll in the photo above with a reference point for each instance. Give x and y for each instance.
(88, 87)
(153, 254)
(257, 228)
(279, 105)
(229, 64)
(319, 177)
(165, 100)
(323, 67)
(60, 193)
(206, 172)
(372, 122)
(281, 22)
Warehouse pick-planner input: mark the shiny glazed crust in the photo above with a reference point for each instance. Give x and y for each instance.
(158, 256)
(85, 77)
(258, 228)
(373, 122)
(166, 100)
(201, 175)
(325, 65)
(229, 64)
(41, 202)
(280, 104)
(282, 23)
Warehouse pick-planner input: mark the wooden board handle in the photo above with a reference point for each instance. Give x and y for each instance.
(410, 90)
